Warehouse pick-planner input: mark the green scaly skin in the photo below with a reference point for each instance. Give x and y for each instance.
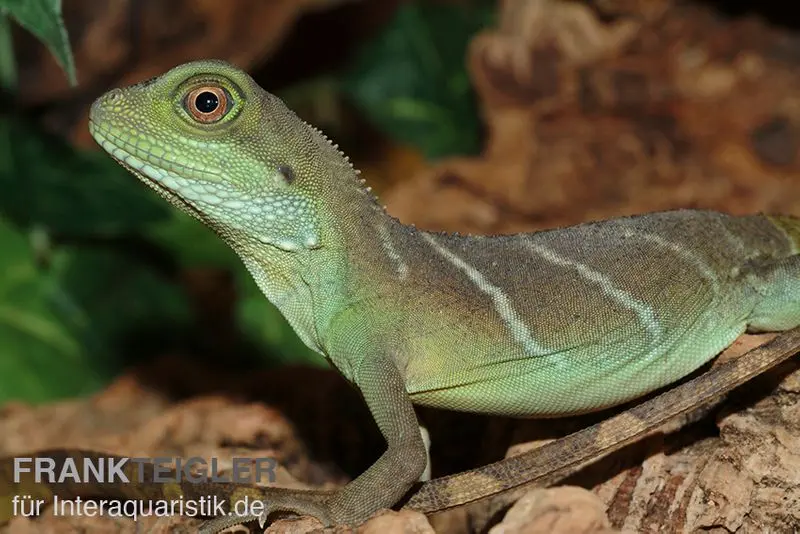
(543, 324)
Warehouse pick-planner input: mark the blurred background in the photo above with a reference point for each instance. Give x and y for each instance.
(481, 116)
(478, 116)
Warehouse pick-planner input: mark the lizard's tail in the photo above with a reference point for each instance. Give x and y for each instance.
(790, 225)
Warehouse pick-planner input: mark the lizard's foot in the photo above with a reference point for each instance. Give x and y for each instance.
(220, 523)
(263, 510)
(318, 510)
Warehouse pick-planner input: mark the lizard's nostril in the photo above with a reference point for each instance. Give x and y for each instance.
(97, 106)
(111, 96)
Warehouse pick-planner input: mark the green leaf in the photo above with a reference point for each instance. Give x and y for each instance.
(43, 19)
(48, 184)
(412, 82)
(112, 297)
(8, 67)
(43, 358)
(64, 326)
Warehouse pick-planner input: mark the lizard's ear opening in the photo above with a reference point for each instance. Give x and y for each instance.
(287, 173)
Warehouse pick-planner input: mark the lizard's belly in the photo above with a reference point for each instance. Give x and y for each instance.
(498, 378)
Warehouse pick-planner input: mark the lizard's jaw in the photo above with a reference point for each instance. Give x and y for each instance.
(161, 190)
(284, 223)
(183, 193)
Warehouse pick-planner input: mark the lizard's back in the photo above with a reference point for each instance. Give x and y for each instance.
(576, 319)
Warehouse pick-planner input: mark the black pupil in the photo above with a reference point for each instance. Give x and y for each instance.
(206, 102)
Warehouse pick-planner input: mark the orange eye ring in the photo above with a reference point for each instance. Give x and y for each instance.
(207, 104)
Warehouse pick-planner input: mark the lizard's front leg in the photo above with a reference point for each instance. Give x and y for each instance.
(386, 481)
(405, 458)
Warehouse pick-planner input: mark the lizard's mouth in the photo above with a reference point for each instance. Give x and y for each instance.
(167, 184)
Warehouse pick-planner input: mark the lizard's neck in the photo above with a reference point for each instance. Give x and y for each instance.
(312, 286)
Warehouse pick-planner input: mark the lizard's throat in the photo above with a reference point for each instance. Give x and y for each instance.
(298, 298)
(273, 221)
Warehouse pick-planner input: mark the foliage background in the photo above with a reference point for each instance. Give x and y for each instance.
(504, 116)
(98, 274)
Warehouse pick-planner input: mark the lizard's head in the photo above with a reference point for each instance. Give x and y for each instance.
(207, 138)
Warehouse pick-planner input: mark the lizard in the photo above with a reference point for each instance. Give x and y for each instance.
(544, 324)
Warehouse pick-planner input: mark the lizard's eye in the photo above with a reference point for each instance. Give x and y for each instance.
(207, 104)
